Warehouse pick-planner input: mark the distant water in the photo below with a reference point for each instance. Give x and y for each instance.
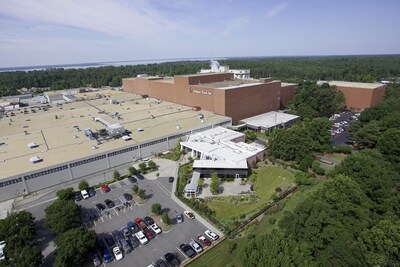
(101, 64)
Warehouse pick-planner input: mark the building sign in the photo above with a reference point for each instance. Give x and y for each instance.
(200, 92)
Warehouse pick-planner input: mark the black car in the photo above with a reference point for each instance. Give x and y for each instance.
(134, 241)
(118, 235)
(100, 207)
(172, 259)
(128, 197)
(77, 196)
(148, 220)
(109, 240)
(139, 176)
(188, 250)
(161, 263)
(91, 192)
(132, 179)
(109, 203)
(171, 179)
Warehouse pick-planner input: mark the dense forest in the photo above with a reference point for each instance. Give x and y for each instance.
(290, 69)
(353, 217)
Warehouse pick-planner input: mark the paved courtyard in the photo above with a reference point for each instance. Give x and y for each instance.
(233, 188)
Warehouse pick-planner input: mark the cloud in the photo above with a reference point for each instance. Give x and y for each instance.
(235, 25)
(120, 18)
(274, 11)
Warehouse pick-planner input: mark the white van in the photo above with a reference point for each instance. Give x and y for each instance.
(84, 194)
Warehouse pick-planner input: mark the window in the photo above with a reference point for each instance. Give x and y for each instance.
(125, 150)
(46, 172)
(10, 182)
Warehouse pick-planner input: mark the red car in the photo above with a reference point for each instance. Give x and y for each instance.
(204, 240)
(105, 188)
(142, 225)
(149, 234)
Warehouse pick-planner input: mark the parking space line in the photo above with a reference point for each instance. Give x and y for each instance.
(182, 252)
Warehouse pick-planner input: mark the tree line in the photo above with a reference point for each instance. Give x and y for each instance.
(290, 69)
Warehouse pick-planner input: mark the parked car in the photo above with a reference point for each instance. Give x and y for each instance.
(142, 238)
(161, 263)
(204, 240)
(146, 160)
(107, 257)
(118, 235)
(189, 214)
(128, 197)
(125, 231)
(188, 250)
(171, 179)
(96, 260)
(77, 196)
(211, 234)
(139, 176)
(132, 179)
(100, 207)
(149, 234)
(91, 192)
(133, 226)
(179, 218)
(109, 240)
(118, 253)
(105, 188)
(109, 203)
(140, 223)
(196, 246)
(84, 194)
(172, 259)
(155, 228)
(148, 220)
(134, 241)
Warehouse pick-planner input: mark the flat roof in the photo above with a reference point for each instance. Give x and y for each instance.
(55, 130)
(356, 84)
(269, 119)
(231, 84)
(216, 146)
(283, 84)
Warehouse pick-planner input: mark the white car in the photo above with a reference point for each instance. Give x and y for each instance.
(84, 194)
(196, 246)
(117, 253)
(156, 229)
(189, 214)
(211, 234)
(146, 160)
(142, 238)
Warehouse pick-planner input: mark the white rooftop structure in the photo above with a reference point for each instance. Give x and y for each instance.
(216, 149)
(216, 68)
(270, 120)
(355, 84)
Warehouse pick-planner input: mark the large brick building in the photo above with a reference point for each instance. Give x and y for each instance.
(360, 96)
(216, 92)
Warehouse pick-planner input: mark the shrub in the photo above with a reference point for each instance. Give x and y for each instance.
(65, 194)
(135, 188)
(165, 218)
(143, 167)
(156, 208)
(117, 175)
(272, 220)
(305, 163)
(83, 185)
(141, 193)
(132, 170)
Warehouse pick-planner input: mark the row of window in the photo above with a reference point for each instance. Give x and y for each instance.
(122, 151)
(178, 135)
(10, 182)
(202, 129)
(37, 174)
(223, 123)
(85, 161)
(154, 142)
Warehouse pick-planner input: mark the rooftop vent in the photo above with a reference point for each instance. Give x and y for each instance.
(35, 159)
(32, 145)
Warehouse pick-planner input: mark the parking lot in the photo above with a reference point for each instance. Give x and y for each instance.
(157, 191)
(341, 123)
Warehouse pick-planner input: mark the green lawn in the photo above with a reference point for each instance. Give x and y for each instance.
(268, 178)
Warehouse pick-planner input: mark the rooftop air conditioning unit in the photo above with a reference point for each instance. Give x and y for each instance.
(35, 159)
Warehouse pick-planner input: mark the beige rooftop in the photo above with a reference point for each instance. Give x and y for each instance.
(355, 84)
(55, 130)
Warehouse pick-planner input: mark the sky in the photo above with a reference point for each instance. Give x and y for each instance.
(45, 32)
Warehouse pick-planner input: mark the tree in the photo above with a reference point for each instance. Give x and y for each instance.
(156, 208)
(368, 135)
(19, 224)
(141, 193)
(200, 182)
(389, 145)
(27, 256)
(65, 194)
(132, 171)
(306, 162)
(83, 185)
(214, 183)
(62, 215)
(152, 165)
(275, 250)
(74, 246)
(250, 135)
(165, 218)
(318, 130)
(116, 175)
(381, 244)
(143, 167)
(135, 188)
